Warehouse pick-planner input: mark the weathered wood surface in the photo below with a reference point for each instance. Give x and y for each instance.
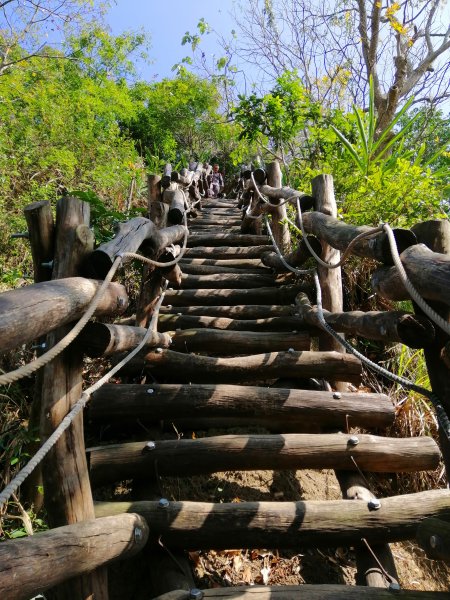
(273, 406)
(338, 234)
(296, 258)
(302, 592)
(435, 234)
(153, 189)
(266, 295)
(330, 279)
(241, 263)
(197, 525)
(433, 535)
(228, 239)
(279, 224)
(32, 311)
(194, 269)
(226, 280)
(166, 178)
(41, 234)
(277, 194)
(389, 326)
(370, 569)
(206, 369)
(428, 271)
(158, 212)
(173, 322)
(32, 565)
(68, 497)
(103, 339)
(184, 457)
(177, 205)
(225, 342)
(225, 252)
(128, 238)
(249, 311)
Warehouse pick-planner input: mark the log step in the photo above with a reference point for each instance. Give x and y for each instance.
(183, 457)
(225, 342)
(228, 239)
(249, 311)
(168, 322)
(328, 523)
(206, 369)
(226, 280)
(265, 295)
(305, 592)
(274, 408)
(192, 269)
(224, 252)
(238, 263)
(99, 339)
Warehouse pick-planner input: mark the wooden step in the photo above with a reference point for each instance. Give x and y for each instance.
(204, 525)
(266, 295)
(273, 408)
(225, 343)
(100, 339)
(169, 322)
(192, 269)
(248, 312)
(183, 457)
(242, 369)
(237, 263)
(305, 592)
(226, 280)
(224, 252)
(228, 239)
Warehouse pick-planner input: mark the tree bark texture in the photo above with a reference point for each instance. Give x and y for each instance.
(338, 234)
(428, 271)
(30, 312)
(388, 326)
(300, 592)
(41, 232)
(206, 369)
(265, 295)
(33, 565)
(183, 457)
(198, 525)
(67, 490)
(271, 406)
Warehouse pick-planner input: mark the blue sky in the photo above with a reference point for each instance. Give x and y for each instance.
(167, 22)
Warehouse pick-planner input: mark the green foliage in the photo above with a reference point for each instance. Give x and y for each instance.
(60, 130)
(279, 115)
(178, 119)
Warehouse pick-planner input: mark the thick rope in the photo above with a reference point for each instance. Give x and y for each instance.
(17, 481)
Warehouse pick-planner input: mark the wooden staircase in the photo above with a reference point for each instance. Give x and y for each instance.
(239, 358)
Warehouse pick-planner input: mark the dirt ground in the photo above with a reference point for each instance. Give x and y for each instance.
(275, 567)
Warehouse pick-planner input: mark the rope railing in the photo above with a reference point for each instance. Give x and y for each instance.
(41, 361)
(20, 477)
(441, 415)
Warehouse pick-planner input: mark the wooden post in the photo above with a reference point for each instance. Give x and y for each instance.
(68, 497)
(436, 235)
(41, 233)
(330, 279)
(280, 229)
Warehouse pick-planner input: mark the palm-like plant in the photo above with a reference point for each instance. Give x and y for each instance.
(370, 147)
